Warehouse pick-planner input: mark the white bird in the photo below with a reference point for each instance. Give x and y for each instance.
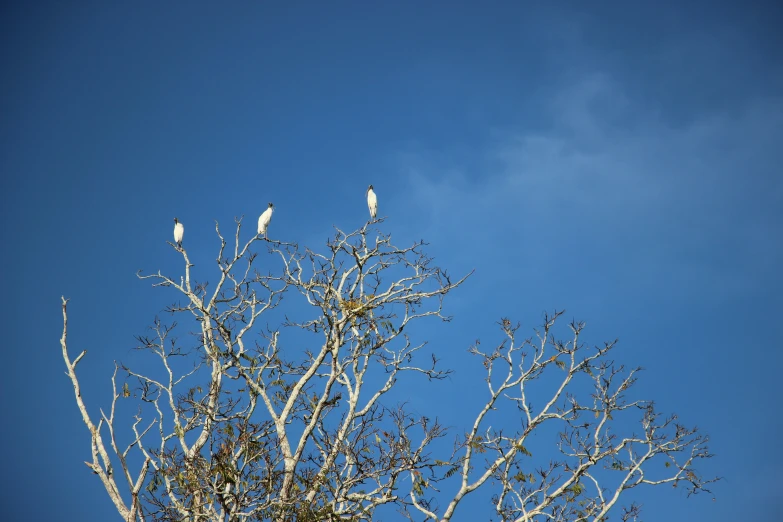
(263, 221)
(372, 202)
(179, 231)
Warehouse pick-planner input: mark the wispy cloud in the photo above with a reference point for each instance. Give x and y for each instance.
(702, 199)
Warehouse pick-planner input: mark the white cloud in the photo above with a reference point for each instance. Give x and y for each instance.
(612, 173)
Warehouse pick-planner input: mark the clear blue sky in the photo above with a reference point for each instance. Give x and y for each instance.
(621, 162)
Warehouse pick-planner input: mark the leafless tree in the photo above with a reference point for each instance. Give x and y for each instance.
(246, 422)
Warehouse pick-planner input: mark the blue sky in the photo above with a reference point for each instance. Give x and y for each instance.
(621, 162)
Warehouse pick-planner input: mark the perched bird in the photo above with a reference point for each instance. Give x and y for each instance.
(263, 221)
(179, 231)
(372, 202)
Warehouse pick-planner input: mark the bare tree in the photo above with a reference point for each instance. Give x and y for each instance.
(246, 422)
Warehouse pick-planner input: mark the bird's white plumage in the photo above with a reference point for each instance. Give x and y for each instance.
(264, 219)
(372, 202)
(179, 232)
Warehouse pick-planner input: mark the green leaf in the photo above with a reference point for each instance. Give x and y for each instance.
(452, 471)
(523, 450)
(154, 483)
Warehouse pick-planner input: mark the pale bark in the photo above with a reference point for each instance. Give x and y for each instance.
(243, 421)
